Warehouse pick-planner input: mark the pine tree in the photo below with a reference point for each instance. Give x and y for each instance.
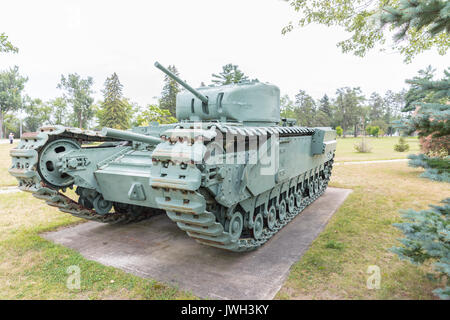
(230, 74)
(401, 146)
(169, 93)
(427, 238)
(114, 111)
(430, 99)
(325, 106)
(427, 232)
(324, 115)
(434, 15)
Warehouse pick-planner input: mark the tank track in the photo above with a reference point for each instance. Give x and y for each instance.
(206, 230)
(203, 226)
(25, 169)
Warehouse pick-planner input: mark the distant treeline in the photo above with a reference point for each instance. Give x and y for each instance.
(349, 108)
(75, 107)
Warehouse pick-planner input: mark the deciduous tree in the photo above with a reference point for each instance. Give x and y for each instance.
(154, 113)
(420, 24)
(305, 109)
(77, 93)
(348, 107)
(6, 45)
(59, 114)
(37, 114)
(11, 86)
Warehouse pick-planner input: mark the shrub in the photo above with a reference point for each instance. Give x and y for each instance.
(375, 131)
(339, 131)
(363, 146)
(402, 146)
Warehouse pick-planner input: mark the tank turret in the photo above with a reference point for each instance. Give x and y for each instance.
(251, 103)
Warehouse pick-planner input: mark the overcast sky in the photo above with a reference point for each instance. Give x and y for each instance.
(97, 38)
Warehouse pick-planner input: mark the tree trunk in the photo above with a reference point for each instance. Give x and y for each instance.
(79, 120)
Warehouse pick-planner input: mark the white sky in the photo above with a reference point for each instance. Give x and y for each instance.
(97, 38)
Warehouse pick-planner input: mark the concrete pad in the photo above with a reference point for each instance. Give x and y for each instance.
(157, 249)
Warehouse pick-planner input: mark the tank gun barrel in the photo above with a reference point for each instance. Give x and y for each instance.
(181, 82)
(129, 136)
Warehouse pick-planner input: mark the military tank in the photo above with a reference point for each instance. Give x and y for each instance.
(231, 173)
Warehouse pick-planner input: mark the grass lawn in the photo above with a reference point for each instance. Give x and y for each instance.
(382, 149)
(360, 234)
(5, 162)
(34, 268)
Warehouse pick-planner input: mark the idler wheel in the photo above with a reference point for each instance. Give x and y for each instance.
(282, 210)
(291, 203)
(258, 226)
(101, 205)
(49, 164)
(271, 217)
(235, 225)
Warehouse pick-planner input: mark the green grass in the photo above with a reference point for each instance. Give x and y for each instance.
(382, 149)
(34, 268)
(5, 162)
(360, 234)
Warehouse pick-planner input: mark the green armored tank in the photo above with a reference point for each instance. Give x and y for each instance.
(230, 173)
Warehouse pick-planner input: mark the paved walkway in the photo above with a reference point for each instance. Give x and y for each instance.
(4, 141)
(9, 189)
(158, 249)
(368, 161)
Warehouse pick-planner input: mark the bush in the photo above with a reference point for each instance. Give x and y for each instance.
(402, 146)
(430, 144)
(373, 131)
(427, 238)
(363, 146)
(339, 131)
